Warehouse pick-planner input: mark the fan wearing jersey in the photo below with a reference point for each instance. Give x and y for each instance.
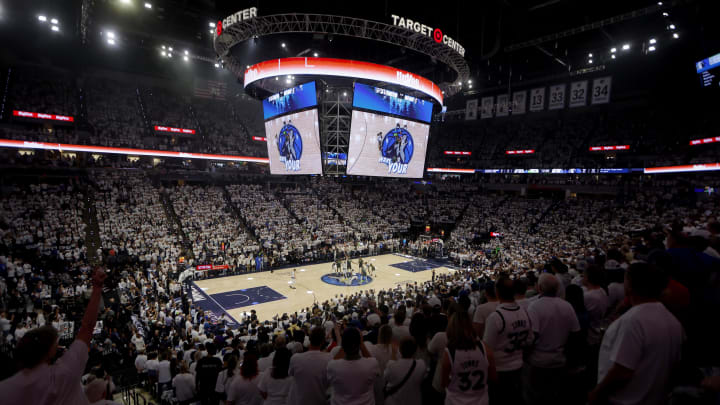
(507, 333)
(467, 364)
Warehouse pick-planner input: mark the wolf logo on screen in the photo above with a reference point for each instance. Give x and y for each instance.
(289, 142)
(396, 149)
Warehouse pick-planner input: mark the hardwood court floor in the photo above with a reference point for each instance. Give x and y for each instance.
(309, 285)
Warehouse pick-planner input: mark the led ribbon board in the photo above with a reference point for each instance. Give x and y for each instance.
(63, 147)
(342, 68)
(391, 102)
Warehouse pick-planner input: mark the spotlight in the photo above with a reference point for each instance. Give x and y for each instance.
(665, 14)
(653, 41)
(125, 1)
(163, 47)
(211, 24)
(163, 53)
(613, 50)
(470, 86)
(276, 78)
(651, 49)
(212, 31)
(590, 61)
(671, 26)
(287, 81)
(148, 6)
(170, 49)
(626, 47)
(169, 55)
(315, 54)
(660, 3)
(55, 28)
(217, 65)
(185, 58)
(42, 18)
(111, 35)
(111, 41)
(469, 81)
(676, 36)
(589, 55)
(344, 93)
(283, 44)
(612, 56)
(186, 52)
(54, 21)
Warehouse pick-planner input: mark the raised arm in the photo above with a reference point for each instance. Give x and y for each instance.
(91, 312)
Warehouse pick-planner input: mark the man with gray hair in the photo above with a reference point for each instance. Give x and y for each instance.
(553, 322)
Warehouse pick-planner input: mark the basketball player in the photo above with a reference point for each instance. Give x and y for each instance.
(379, 142)
(290, 142)
(403, 144)
(292, 279)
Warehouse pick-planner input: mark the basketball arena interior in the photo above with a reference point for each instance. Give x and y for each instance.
(216, 202)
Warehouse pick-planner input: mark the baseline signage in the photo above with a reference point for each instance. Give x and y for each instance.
(341, 68)
(423, 29)
(42, 116)
(161, 128)
(63, 147)
(259, 138)
(212, 267)
(613, 147)
(235, 18)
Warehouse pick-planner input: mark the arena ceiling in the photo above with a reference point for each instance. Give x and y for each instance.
(488, 30)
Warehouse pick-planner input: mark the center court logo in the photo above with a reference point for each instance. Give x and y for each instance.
(290, 146)
(396, 149)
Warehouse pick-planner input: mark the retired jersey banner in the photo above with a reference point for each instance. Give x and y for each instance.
(601, 90)
(578, 94)
(502, 105)
(486, 107)
(518, 103)
(471, 107)
(537, 99)
(557, 97)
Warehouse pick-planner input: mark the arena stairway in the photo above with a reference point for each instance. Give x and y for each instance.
(238, 216)
(176, 226)
(92, 230)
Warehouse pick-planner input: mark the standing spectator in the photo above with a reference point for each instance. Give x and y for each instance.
(553, 321)
(507, 333)
(206, 373)
(352, 377)
(467, 365)
(484, 310)
(164, 374)
(309, 370)
(403, 377)
(226, 376)
(244, 389)
(275, 384)
(184, 384)
(38, 348)
(641, 348)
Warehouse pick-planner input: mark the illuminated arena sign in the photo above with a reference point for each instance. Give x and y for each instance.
(520, 152)
(235, 18)
(42, 116)
(174, 130)
(423, 29)
(606, 148)
(341, 68)
(704, 141)
(458, 153)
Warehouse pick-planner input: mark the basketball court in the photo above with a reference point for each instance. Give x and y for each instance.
(271, 294)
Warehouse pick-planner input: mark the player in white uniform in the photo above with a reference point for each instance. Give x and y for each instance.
(292, 279)
(467, 364)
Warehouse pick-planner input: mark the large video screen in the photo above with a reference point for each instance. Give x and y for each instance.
(707, 69)
(292, 99)
(381, 145)
(391, 102)
(293, 143)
